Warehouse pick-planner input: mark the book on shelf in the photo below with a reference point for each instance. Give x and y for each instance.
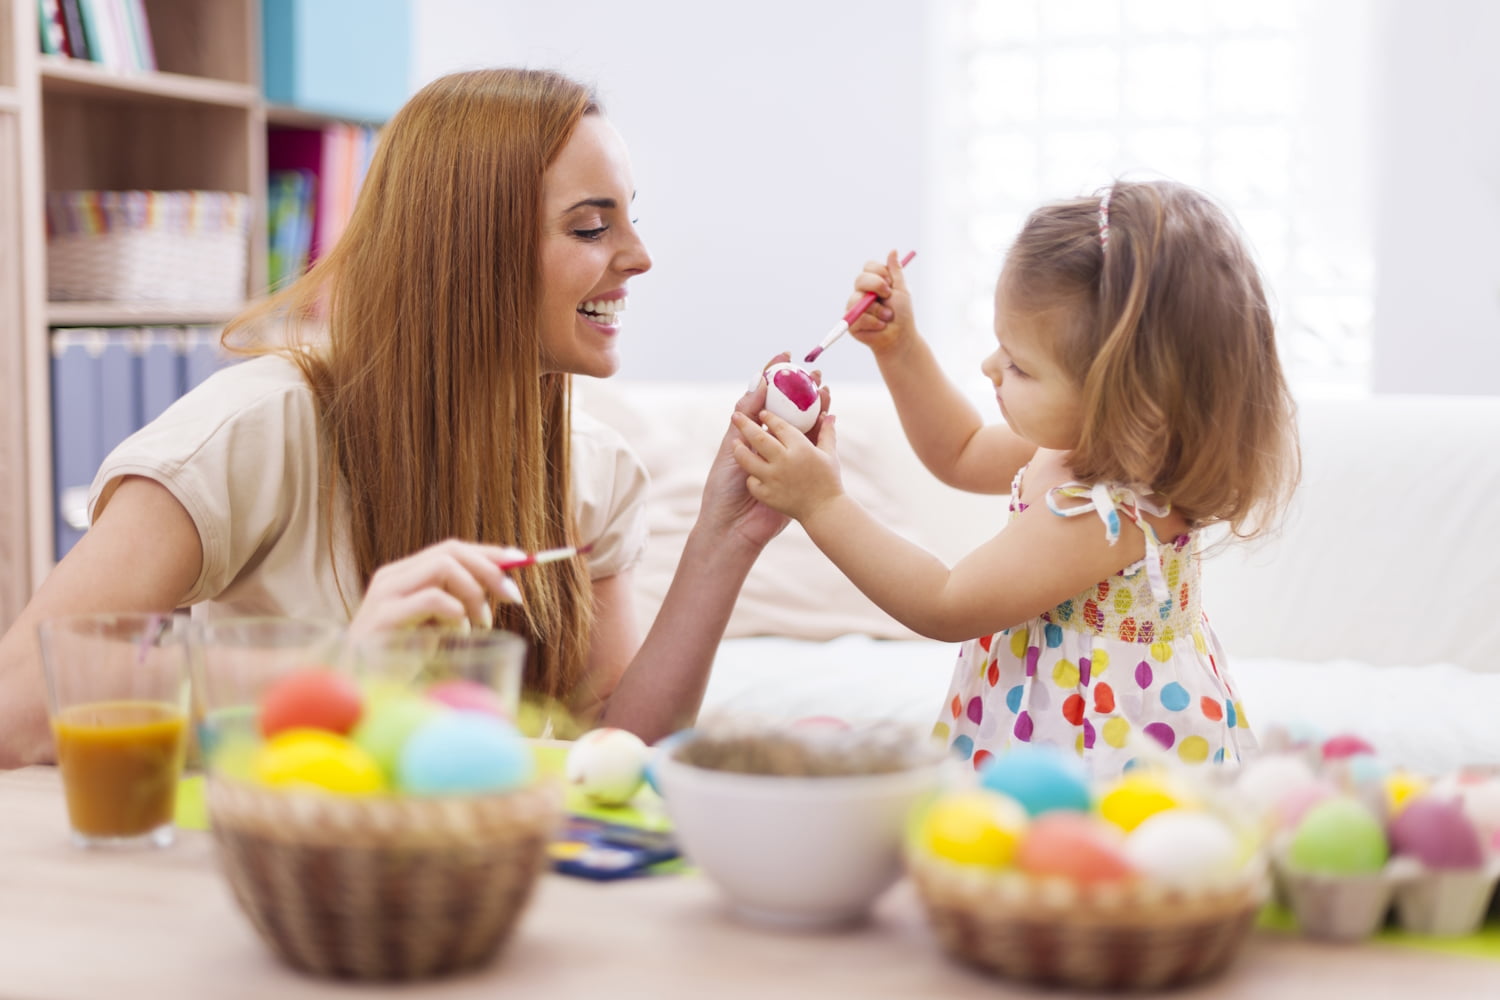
(332, 162)
(113, 33)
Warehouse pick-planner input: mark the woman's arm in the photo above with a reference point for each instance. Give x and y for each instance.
(142, 554)
(661, 687)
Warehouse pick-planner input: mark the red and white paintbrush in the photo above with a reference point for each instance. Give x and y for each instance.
(547, 556)
(849, 317)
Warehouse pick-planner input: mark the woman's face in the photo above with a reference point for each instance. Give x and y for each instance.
(590, 248)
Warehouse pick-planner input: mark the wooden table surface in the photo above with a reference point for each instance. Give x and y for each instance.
(162, 925)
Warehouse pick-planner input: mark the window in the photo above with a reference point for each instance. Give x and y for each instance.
(1263, 105)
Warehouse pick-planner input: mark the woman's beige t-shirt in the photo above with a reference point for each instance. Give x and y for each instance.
(240, 453)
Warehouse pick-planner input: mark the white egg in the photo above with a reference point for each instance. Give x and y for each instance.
(792, 395)
(608, 765)
(1185, 849)
(1266, 780)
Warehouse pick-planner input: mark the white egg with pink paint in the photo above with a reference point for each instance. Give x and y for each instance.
(608, 765)
(792, 395)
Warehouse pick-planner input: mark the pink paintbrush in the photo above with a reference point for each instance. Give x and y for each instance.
(849, 317)
(546, 556)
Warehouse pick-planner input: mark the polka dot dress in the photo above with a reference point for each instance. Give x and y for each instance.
(1129, 666)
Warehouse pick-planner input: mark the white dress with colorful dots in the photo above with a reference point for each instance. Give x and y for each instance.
(1129, 658)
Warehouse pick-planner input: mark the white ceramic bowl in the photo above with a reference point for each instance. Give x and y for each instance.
(794, 851)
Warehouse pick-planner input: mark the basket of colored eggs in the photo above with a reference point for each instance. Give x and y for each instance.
(1038, 874)
(378, 829)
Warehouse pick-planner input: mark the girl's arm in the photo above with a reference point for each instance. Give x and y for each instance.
(141, 555)
(1036, 563)
(944, 429)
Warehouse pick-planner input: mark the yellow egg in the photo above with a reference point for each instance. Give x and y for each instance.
(1135, 798)
(1401, 786)
(975, 828)
(319, 760)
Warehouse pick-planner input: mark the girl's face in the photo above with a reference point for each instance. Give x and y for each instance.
(1039, 400)
(590, 247)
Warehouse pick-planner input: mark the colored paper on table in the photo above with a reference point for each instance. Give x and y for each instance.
(1483, 943)
(192, 807)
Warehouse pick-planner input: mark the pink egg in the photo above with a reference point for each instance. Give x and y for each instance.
(1074, 846)
(468, 696)
(1288, 810)
(1345, 745)
(1436, 832)
(820, 722)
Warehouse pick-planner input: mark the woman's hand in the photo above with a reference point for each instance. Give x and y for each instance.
(784, 469)
(889, 322)
(450, 583)
(727, 503)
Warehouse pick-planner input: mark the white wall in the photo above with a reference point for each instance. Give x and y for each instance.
(1437, 211)
(780, 144)
(777, 146)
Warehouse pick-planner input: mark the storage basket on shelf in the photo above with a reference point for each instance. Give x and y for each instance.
(382, 888)
(147, 246)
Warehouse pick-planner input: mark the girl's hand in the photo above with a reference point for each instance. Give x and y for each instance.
(727, 503)
(450, 583)
(890, 321)
(784, 469)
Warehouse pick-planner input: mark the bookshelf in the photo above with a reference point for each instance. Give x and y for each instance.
(199, 121)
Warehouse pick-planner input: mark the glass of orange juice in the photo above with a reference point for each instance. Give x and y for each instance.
(118, 695)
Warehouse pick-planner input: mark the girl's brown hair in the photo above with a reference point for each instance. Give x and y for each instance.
(435, 417)
(1173, 348)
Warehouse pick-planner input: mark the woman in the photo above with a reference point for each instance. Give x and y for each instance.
(379, 473)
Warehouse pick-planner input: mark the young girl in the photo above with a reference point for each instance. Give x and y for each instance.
(1136, 370)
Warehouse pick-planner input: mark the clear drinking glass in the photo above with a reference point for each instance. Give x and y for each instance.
(479, 669)
(235, 660)
(118, 697)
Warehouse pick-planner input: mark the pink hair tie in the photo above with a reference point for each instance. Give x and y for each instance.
(1104, 218)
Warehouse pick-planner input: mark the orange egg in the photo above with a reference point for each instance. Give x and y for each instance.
(311, 698)
(1073, 846)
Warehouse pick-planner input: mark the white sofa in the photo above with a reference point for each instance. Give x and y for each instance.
(1375, 610)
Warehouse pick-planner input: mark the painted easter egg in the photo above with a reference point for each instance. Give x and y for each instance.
(316, 759)
(1345, 745)
(1074, 846)
(311, 698)
(1186, 849)
(661, 747)
(1136, 797)
(607, 765)
(388, 723)
(977, 827)
(792, 395)
(462, 753)
(469, 696)
(1436, 832)
(1265, 780)
(1339, 837)
(1041, 778)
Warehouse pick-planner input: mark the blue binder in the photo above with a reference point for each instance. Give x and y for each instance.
(119, 392)
(161, 358)
(76, 407)
(204, 356)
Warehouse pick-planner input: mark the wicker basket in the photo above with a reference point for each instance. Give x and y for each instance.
(147, 246)
(1050, 931)
(382, 888)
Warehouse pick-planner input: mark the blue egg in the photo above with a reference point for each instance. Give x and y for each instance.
(660, 747)
(460, 753)
(1040, 778)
